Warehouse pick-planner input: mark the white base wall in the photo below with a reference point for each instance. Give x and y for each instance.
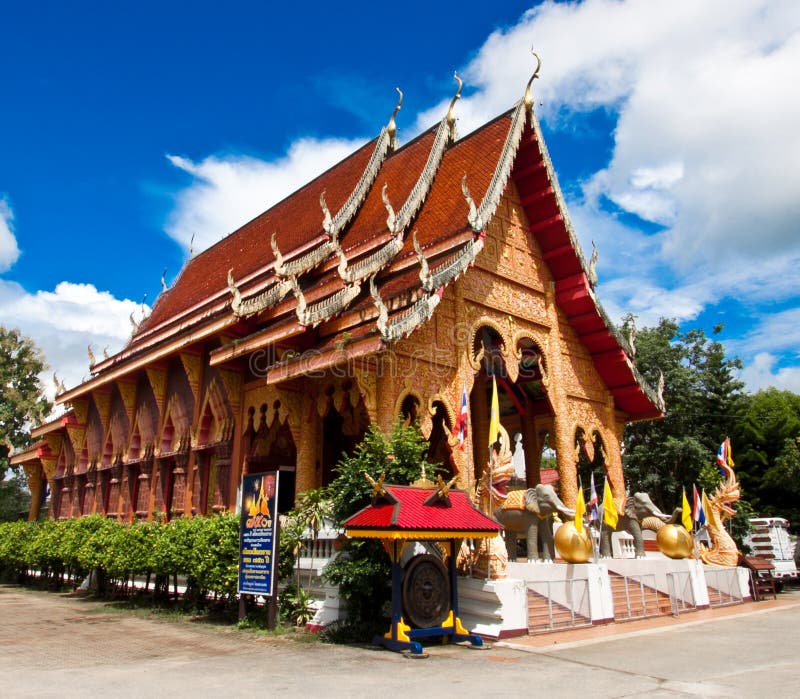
(731, 583)
(681, 577)
(493, 608)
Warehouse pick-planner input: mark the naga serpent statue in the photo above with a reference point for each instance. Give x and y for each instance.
(723, 550)
(490, 557)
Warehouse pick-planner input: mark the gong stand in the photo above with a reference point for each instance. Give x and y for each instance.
(430, 512)
(401, 637)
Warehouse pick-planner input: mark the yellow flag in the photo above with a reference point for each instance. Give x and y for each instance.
(494, 415)
(610, 516)
(580, 510)
(686, 517)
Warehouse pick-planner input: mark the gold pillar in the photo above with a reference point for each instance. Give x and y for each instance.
(566, 460)
(307, 437)
(35, 483)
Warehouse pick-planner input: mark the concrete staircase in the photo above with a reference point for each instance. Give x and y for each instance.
(635, 599)
(546, 615)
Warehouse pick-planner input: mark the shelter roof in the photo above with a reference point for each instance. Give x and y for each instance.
(407, 512)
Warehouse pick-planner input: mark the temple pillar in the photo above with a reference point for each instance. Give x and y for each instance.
(612, 439)
(566, 459)
(178, 501)
(387, 392)
(34, 475)
(308, 444)
(562, 418)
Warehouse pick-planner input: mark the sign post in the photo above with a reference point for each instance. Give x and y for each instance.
(258, 539)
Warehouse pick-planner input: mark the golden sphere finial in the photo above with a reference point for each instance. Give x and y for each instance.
(572, 546)
(674, 541)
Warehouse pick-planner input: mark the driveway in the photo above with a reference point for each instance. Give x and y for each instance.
(53, 645)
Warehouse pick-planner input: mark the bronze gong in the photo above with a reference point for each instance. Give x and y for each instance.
(426, 592)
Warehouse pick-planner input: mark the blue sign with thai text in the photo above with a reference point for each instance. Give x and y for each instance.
(257, 533)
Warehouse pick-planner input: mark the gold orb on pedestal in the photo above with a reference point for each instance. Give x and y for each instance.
(571, 546)
(674, 541)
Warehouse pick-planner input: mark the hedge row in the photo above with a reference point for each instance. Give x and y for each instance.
(204, 550)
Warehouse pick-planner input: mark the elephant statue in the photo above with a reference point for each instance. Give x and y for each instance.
(530, 512)
(638, 507)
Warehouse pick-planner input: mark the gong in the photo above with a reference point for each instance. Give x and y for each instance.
(426, 591)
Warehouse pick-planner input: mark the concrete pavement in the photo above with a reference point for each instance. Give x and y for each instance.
(59, 646)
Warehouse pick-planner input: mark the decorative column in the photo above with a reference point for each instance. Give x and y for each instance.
(562, 421)
(612, 441)
(222, 477)
(142, 504)
(34, 474)
(89, 499)
(114, 492)
(308, 442)
(178, 503)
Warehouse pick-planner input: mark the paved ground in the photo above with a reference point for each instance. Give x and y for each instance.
(58, 646)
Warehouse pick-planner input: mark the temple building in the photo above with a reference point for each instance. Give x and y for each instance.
(390, 286)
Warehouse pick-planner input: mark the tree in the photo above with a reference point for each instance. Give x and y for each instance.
(15, 499)
(702, 396)
(21, 400)
(21, 405)
(768, 453)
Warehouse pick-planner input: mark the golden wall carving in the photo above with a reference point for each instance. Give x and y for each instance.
(193, 366)
(127, 393)
(157, 375)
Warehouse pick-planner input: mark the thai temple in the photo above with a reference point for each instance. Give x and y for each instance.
(394, 285)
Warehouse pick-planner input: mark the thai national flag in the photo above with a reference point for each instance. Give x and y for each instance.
(724, 457)
(463, 419)
(699, 514)
(594, 503)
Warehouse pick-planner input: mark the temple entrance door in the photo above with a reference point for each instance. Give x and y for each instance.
(341, 432)
(439, 451)
(536, 420)
(526, 414)
(271, 448)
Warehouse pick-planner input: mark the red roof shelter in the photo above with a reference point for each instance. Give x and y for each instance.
(425, 591)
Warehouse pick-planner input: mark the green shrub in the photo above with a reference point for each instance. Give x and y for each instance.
(363, 570)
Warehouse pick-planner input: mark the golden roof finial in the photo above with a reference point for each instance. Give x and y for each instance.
(377, 486)
(528, 95)
(392, 127)
(451, 119)
(444, 487)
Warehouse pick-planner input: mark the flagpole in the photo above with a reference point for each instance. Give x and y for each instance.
(600, 529)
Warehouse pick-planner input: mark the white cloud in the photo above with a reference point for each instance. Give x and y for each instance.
(777, 332)
(9, 252)
(229, 191)
(706, 139)
(63, 322)
(760, 373)
(705, 146)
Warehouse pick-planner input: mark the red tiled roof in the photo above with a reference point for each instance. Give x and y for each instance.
(297, 220)
(200, 295)
(405, 510)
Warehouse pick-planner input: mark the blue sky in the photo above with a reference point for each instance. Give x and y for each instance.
(127, 129)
